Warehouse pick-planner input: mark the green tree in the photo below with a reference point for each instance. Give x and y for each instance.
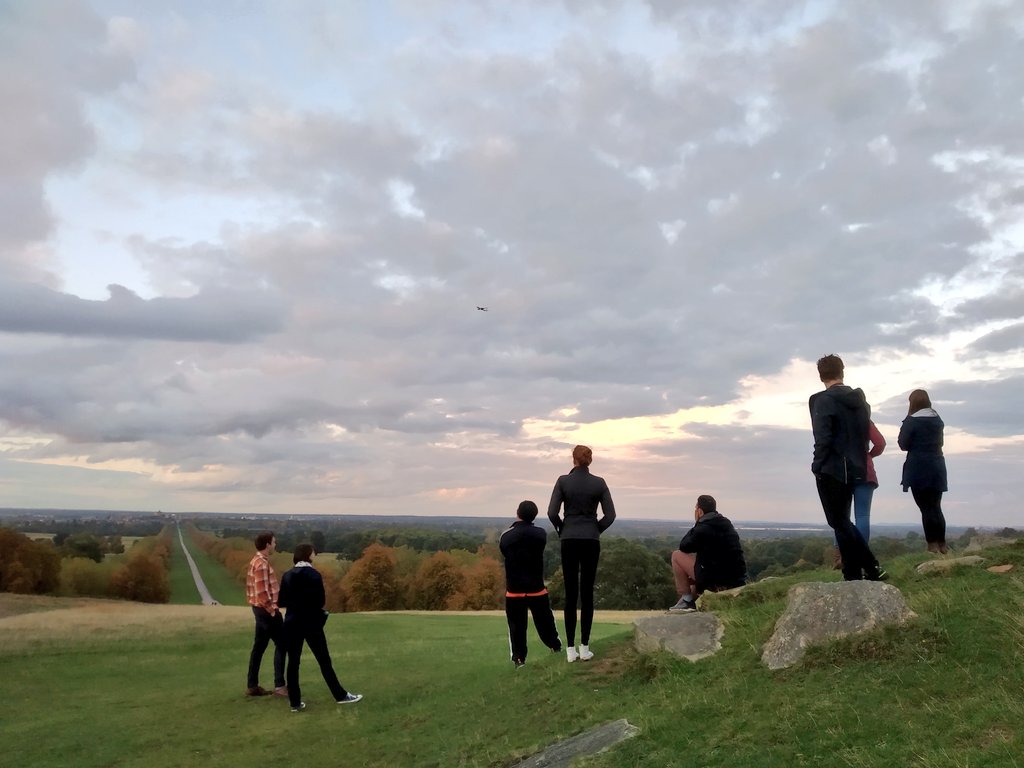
(319, 541)
(83, 577)
(629, 577)
(84, 545)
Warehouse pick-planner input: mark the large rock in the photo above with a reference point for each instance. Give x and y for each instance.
(816, 613)
(948, 563)
(690, 635)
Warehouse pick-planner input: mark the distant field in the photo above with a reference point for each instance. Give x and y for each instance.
(38, 536)
(165, 683)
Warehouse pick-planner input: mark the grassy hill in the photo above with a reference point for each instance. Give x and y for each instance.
(103, 683)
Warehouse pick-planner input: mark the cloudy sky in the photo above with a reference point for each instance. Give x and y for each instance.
(242, 247)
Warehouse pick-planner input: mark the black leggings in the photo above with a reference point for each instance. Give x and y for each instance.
(929, 501)
(579, 571)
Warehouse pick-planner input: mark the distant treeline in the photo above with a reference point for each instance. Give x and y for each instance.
(389, 567)
(67, 526)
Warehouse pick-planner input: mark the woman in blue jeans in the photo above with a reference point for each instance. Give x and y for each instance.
(580, 534)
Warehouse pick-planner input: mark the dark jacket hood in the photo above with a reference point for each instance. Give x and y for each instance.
(847, 396)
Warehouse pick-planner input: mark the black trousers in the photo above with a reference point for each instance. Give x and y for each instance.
(579, 572)
(312, 634)
(837, 500)
(929, 501)
(516, 609)
(267, 628)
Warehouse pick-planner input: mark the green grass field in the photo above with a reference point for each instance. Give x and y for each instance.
(114, 684)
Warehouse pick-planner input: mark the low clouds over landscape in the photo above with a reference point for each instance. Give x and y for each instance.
(242, 248)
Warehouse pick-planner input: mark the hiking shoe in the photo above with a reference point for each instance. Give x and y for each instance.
(281, 690)
(257, 691)
(302, 706)
(570, 654)
(349, 698)
(877, 574)
(685, 604)
(585, 653)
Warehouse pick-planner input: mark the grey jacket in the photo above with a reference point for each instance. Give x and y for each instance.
(581, 492)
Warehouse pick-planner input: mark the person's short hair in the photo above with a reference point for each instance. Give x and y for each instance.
(707, 503)
(303, 553)
(582, 455)
(919, 399)
(830, 368)
(263, 539)
(527, 511)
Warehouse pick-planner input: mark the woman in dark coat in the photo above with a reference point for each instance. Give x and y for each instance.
(302, 594)
(580, 534)
(924, 471)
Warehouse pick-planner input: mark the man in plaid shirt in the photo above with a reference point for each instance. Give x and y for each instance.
(261, 591)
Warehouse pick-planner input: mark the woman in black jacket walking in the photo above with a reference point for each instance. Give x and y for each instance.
(924, 471)
(302, 594)
(580, 534)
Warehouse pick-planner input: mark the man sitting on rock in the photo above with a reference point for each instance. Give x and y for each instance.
(709, 556)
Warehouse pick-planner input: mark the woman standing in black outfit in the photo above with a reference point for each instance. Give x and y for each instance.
(924, 471)
(580, 534)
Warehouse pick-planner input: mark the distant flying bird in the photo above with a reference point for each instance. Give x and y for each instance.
(482, 309)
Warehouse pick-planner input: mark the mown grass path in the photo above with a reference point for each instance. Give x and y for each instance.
(183, 586)
(197, 578)
(222, 586)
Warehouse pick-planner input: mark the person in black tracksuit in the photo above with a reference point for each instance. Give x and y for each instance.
(580, 534)
(710, 556)
(522, 546)
(302, 594)
(840, 419)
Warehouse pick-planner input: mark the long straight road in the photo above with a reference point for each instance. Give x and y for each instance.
(204, 593)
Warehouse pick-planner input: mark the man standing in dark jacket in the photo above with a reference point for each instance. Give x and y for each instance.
(840, 418)
(522, 546)
(302, 593)
(709, 557)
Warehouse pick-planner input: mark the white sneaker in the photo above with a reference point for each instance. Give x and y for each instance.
(571, 654)
(585, 653)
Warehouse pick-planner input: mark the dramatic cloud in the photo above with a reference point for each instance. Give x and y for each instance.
(242, 254)
(226, 316)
